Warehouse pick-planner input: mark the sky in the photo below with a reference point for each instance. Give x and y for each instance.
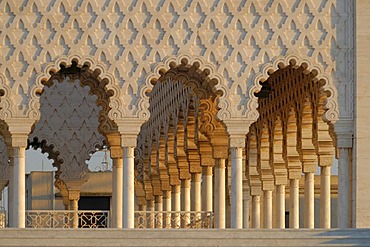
(36, 161)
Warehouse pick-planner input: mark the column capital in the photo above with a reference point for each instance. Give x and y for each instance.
(344, 133)
(237, 141)
(141, 201)
(74, 195)
(116, 152)
(207, 171)
(220, 152)
(344, 140)
(19, 140)
(185, 183)
(129, 128)
(73, 185)
(207, 160)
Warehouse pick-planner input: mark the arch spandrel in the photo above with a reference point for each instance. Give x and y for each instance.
(310, 66)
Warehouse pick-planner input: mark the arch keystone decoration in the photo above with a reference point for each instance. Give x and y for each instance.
(187, 59)
(332, 110)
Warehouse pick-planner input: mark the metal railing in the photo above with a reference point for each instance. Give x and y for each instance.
(67, 219)
(2, 217)
(174, 219)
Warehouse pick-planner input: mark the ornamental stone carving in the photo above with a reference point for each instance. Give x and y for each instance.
(68, 126)
(130, 38)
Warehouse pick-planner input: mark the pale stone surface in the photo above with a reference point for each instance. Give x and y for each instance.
(190, 72)
(196, 237)
(361, 154)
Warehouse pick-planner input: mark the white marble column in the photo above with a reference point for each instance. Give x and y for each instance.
(220, 195)
(19, 187)
(267, 209)
(185, 202)
(176, 206)
(128, 187)
(10, 192)
(246, 205)
(159, 209)
(236, 187)
(207, 185)
(280, 206)
(167, 204)
(256, 211)
(294, 204)
(325, 200)
(196, 191)
(344, 188)
(117, 192)
(309, 193)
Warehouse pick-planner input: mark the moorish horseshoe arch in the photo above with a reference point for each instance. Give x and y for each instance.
(332, 109)
(195, 75)
(159, 68)
(53, 144)
(51, 68)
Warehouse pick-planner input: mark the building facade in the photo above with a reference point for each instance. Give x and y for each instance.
(203, 104)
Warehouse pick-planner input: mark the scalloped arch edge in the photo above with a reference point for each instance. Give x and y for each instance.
(332, 108)
(165, 64)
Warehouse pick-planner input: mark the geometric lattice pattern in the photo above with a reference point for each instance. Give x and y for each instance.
(68, 124)
(128, 37)
(65, 219)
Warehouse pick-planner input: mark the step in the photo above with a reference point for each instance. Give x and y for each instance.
(184, 237)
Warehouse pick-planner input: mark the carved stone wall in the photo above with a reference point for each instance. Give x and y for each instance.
(128, 37)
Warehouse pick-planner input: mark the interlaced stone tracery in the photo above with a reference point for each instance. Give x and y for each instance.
(195, 88)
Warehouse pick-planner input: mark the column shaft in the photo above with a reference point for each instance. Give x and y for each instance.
(256, 211)
(280, 206)
(19, 187)
(294, 204)
(74, 207)
(196, 191)
(309, 193)
(267, 206)
(159, 209)
(325, 197)
(11, 194)
(176, 206)
(207, 185)
(236, 187)
(167, 208)
(185, 202)
(343, 188)
(220, 194)
(151, 208)
(117, 195)
(128, 187)
(246, 204)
